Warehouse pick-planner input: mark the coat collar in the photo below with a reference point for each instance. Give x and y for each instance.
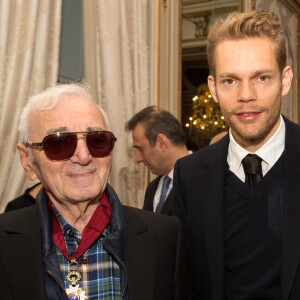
(212, 183)
(21, 249)
(142, 246)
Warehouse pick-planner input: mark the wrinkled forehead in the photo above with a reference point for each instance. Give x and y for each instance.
(70, 114)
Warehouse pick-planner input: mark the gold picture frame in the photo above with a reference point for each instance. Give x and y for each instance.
(288, 13)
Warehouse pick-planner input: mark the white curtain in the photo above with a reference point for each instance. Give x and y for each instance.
(29, 52)
(118, 46)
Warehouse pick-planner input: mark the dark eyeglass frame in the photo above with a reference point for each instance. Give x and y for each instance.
(62, 145)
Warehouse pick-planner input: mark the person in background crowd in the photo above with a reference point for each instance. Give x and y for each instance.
(78, 241)
(239, 198)
(217, 137)
(158, 141)
(26, 199)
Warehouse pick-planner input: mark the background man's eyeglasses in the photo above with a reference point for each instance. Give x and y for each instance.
(62, 145)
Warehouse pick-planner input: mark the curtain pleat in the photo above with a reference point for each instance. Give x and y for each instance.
(118, 51)
(29, 53)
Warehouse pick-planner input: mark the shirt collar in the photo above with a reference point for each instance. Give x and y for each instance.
(171, 174)
(269, 152)
(273, 148)
(96, 225)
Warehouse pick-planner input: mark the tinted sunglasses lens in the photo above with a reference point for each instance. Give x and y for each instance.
(100, 143)
(60, 147)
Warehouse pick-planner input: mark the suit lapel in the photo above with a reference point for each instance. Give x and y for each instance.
(21, 243)
(212, 191)
(140, 260)
(168, 205)
(149, 198)
(150, 193)
(291, 233)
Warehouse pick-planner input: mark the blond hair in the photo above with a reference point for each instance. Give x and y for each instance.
(246, 25)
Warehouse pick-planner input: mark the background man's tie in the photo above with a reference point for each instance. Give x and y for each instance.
(252, 169)
(163, 194)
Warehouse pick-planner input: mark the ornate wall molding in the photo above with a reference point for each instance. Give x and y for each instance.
(287, 12)
(168, 55)
(247, 5)
(164, 3)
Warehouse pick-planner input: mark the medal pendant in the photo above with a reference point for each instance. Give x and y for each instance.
(73, 277)
(75, 293)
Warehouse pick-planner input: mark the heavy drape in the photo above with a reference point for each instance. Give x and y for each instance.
(29, 52)
(121, 64)
(119, 50)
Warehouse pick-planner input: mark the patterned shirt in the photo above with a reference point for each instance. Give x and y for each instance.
(100, 274)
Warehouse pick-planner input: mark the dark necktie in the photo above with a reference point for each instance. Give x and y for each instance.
(252, 169)
(163, 194)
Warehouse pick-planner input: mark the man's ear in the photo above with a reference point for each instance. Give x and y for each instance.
(212, 87)
(162, 142)
(26, 161)
(287, 77)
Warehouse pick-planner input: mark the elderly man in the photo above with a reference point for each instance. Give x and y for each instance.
(78, 241)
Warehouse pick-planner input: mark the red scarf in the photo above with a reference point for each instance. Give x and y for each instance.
(91, 232)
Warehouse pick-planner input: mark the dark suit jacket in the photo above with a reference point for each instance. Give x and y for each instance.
(22, 201)
(154, 256)
(198, 201)
(149, 198)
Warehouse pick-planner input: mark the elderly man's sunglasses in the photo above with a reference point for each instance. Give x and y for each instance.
(62, 145)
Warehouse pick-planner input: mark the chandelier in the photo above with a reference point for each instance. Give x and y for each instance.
(207, 119)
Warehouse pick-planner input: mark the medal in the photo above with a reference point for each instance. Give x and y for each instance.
(74, 292)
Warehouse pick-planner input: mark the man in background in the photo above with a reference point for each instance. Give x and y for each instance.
(217, 137)
(158, 142)
(26, 199)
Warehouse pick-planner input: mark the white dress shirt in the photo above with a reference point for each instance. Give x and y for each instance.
(268, 152)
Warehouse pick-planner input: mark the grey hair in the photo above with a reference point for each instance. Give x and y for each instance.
(49, 99)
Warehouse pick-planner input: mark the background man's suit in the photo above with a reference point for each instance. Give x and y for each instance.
(198, 200)
(149, 198)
